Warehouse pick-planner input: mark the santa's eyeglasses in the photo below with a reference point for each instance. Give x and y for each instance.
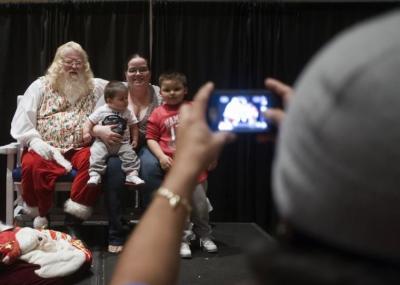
(71, 63)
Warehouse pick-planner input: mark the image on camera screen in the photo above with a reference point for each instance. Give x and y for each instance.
(239, 113)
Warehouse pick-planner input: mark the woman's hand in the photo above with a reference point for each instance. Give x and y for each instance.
(197, 147)
(282, 90)
(106, 134)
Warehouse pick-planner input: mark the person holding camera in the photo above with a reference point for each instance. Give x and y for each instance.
(114, 112)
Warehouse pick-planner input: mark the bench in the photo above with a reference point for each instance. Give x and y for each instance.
(14, 200)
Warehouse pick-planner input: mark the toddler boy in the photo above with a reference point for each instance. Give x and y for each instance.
(161, 137)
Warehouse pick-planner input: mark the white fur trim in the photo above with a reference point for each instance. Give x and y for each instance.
(6, 260)
(4, 227)
(78, 210)
(40, 223)
(30, 211)
(28, 239)
(60, 159)
(62, 260)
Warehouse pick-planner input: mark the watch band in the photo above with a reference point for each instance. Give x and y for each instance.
(173, 199)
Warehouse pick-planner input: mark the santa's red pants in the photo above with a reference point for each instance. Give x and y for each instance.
(39, 177)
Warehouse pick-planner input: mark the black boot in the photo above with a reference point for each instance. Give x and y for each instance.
(73, 226)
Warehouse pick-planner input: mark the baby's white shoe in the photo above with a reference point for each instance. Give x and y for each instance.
(94, 180)
(133, 180)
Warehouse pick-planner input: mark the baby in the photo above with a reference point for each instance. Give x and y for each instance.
(114, 112)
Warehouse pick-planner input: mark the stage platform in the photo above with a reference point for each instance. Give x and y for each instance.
(228, 266)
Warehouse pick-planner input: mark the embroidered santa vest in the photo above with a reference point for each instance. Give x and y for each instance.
(60, 123)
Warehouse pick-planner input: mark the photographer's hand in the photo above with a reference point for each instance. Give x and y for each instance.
(282, 90)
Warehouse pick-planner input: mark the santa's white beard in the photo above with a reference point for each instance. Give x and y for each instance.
(73, 86)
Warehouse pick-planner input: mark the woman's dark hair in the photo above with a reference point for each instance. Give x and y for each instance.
(136, 55)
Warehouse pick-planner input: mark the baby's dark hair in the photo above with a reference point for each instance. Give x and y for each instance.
(177, 76)
(112, 88)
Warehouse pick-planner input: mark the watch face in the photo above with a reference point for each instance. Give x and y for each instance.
(174, 201)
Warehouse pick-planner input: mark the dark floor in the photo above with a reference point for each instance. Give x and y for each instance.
(228, 266)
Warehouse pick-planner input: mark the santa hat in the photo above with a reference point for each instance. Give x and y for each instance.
(9, 247)
(28, 239)
(56, 253)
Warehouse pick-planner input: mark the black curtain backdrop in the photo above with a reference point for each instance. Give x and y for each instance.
(235, 44)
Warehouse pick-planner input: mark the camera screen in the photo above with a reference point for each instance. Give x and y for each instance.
(239, 111)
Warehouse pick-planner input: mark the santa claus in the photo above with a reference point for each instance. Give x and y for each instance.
(48, 123)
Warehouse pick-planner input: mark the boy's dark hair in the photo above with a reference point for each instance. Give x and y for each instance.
(112, 88)
(177, 76)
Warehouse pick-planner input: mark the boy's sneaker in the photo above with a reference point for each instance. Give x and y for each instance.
(185, 251)
(208, 245)
(133, 180)
(94, 180)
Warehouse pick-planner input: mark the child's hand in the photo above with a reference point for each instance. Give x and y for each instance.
(165, 162)
(134, 143)
(87, 139)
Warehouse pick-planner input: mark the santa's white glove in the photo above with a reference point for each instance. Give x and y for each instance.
(41, 148)
(48, 152)
(60, 159)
